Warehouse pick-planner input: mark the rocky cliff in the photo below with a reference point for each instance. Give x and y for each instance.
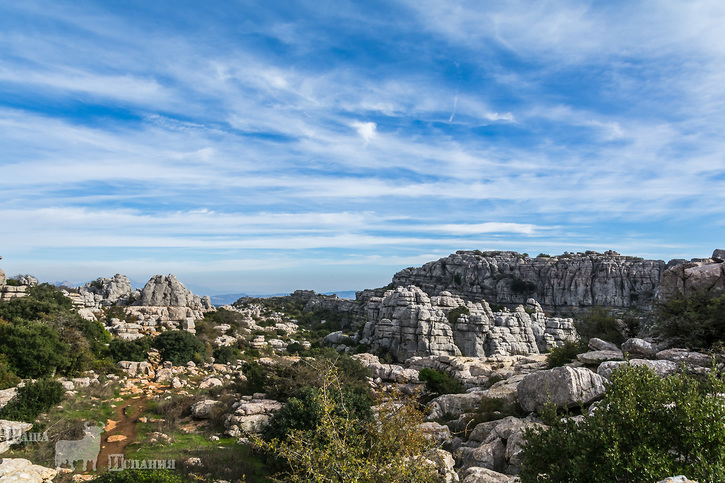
(406, 322)
(557, 283)
(682, 277)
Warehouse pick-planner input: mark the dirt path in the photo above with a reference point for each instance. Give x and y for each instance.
(124, 424)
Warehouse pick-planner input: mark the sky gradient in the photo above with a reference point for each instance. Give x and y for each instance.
(268, 146)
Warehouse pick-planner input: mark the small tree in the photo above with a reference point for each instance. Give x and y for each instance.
(344, 449)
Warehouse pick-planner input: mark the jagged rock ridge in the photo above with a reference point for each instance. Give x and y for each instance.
(509, 278)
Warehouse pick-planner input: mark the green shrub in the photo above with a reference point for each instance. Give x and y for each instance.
(42, 300)
(458, 279)
(256, 377)
(521, 287)
(178, 346)
(303, 411)
(439, 382)
(645, 429)
(129, 350)
(32, 399)
(565, 353)
(695, 321)
(226, 353)
(7, 378)
(457, 312)
(33, 349)
(598, 322)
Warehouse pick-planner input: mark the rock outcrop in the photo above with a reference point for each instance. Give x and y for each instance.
(564, 282)
(104, 292)
(707, 274)
(165, 291)
(571, 280)
(407, 322)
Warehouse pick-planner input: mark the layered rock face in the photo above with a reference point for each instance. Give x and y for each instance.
(407, 323)
(576, 280)
(707, 274)
(104, 292)
(168, 291)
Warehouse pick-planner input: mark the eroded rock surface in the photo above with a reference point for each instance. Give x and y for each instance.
(407, 322)
(579, 280)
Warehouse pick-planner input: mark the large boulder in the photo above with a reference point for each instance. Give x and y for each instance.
(698, 275)
(566, 387)
(640, 348)
(17, 470)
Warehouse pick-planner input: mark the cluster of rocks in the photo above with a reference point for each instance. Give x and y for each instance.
(406, 322)
(164, 303)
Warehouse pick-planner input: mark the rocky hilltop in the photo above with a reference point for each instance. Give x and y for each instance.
(560, 283)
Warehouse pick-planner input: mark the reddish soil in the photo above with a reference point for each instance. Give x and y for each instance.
(124, 424)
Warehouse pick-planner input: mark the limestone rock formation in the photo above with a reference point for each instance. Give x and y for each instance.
(168, 291)
(104, 292)
(22, 470)
(571, 280)
(566, 387)
(407, 322)
(706, 274)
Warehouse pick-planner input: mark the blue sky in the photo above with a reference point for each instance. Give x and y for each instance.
(269, 146)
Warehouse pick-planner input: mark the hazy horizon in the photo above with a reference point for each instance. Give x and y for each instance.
(268, 147)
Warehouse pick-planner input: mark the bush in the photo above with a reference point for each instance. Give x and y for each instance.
(304, 411)
(565, 353)
(343, 448)
(597, 322)
(178, 346)
(695, 321)
(33, 349)
(32, 399)
(129, 350)
(457, 312)
(42, 300)
(7, 378)
(646, 428)
(439, 382)
(225, 354)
